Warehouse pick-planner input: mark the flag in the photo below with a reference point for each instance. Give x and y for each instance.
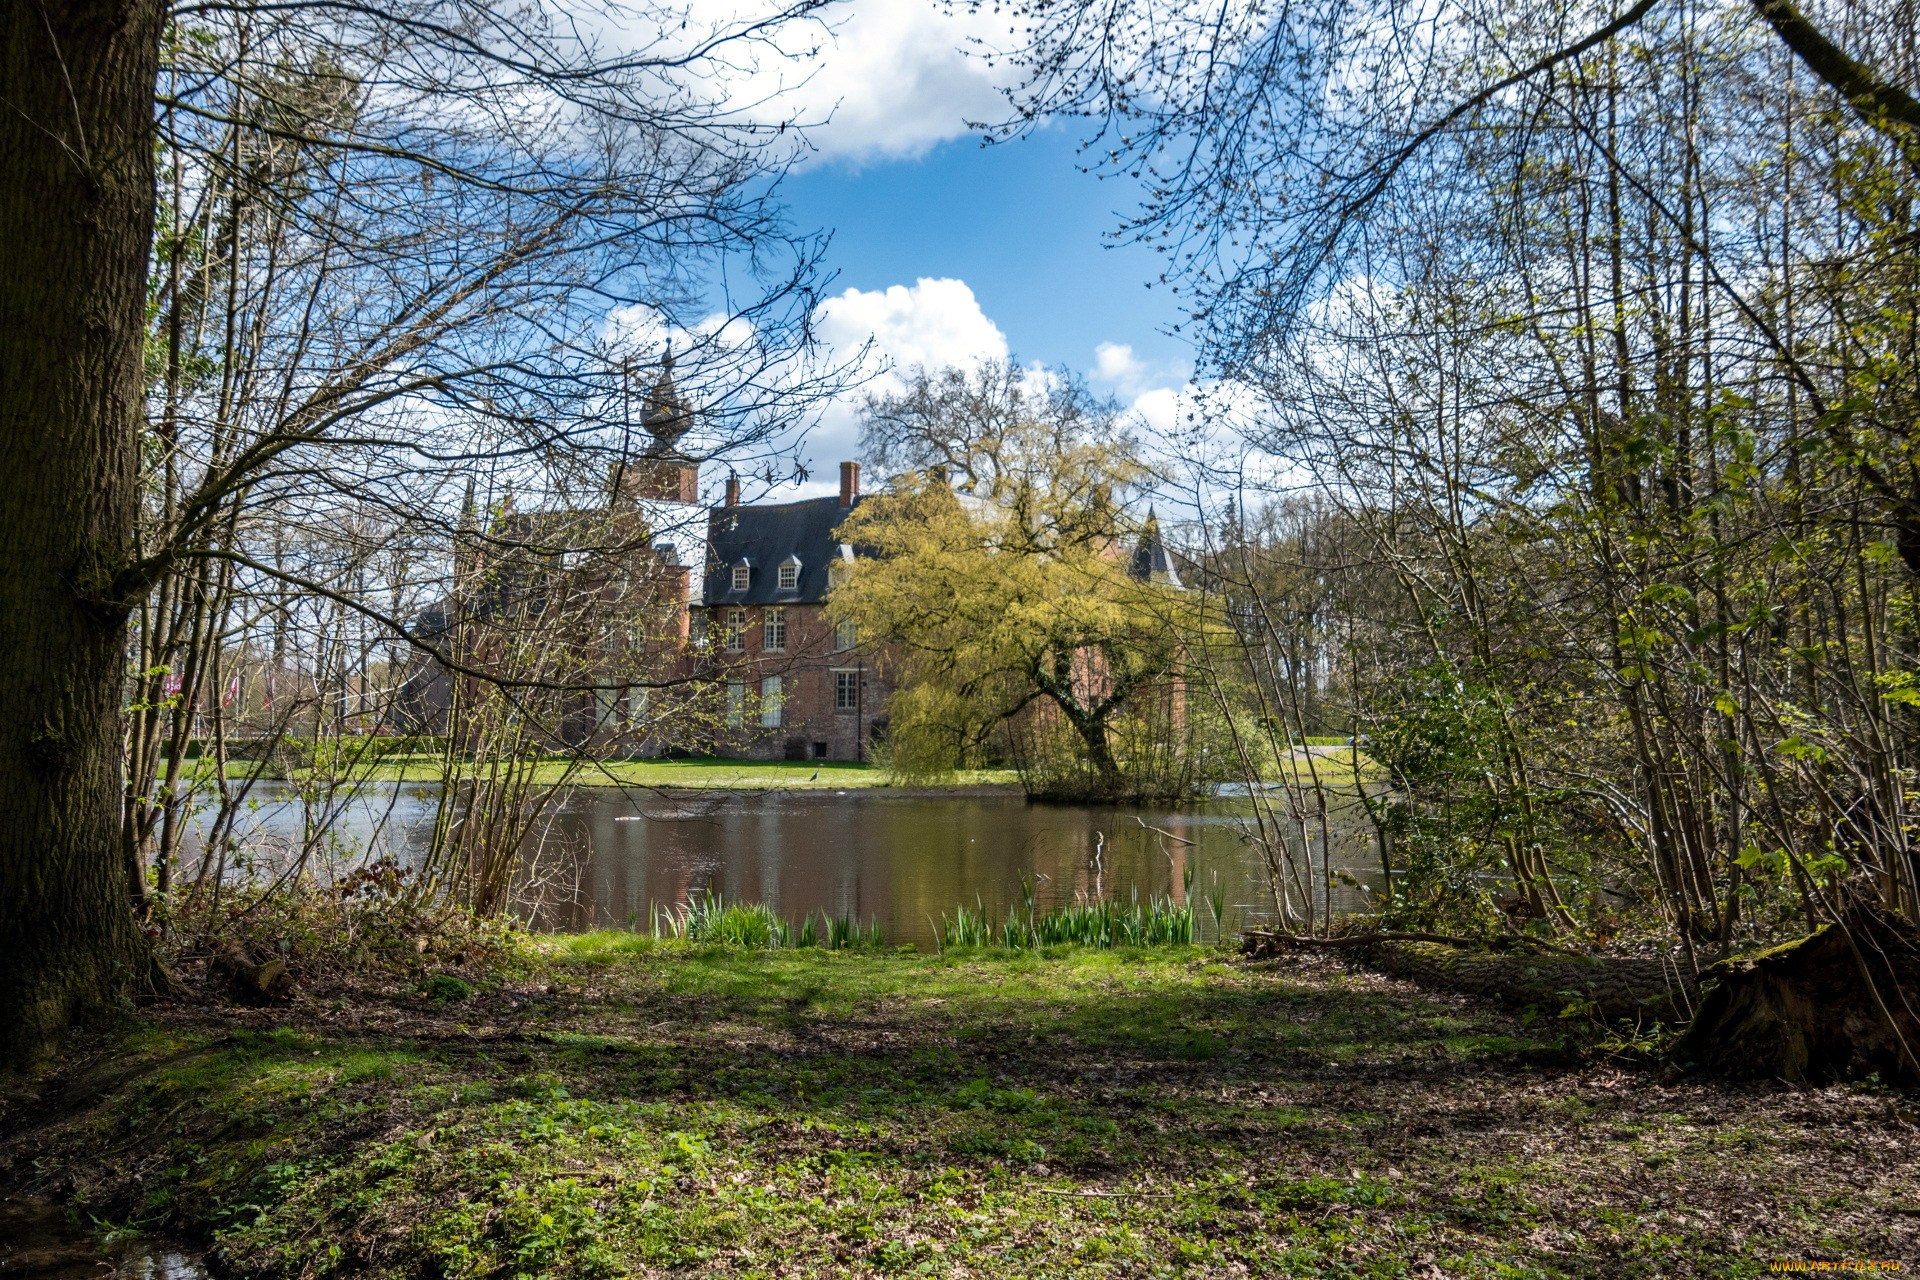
(171, 685)
(233, 691)
(266, 698)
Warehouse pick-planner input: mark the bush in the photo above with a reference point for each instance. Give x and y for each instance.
(375, 922)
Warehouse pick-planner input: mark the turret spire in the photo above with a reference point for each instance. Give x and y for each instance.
(668, 417)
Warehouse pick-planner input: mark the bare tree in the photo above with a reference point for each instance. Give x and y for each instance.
(395, 242)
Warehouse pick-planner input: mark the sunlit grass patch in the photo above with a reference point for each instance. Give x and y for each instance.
(631, 1107)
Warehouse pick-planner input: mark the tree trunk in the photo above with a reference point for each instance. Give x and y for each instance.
(1837, 1005)
(1093, 733)
(76, 212)
(1632, 988)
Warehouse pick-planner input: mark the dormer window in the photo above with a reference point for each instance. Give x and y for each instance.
(790, 574)
(840, 567)
(742, 574)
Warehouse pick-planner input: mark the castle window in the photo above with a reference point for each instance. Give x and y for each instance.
(773, 631)
(845, 636)
(736, 630)
(736, 703)
(741, 576)
(770, 701)
(846, 691)
(790, 576)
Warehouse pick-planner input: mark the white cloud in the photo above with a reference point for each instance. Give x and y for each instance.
(1164, 409)
(932, 322)
(938, 322)
(1167, 410)
(872, 79)
(1115, 362)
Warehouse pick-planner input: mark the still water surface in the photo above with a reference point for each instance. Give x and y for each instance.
(38, 1241)
(610, 857)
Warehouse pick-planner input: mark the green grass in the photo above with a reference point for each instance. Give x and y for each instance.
(1335, 772)
(749, 775)
(632, 1106)
(1099, 924)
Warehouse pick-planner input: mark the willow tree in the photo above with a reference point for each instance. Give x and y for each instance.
(1009, 582)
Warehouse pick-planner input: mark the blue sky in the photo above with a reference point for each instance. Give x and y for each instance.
(1025, 230)
(947, 251)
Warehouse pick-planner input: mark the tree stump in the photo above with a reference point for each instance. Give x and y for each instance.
(1840, 1004)
(249, 981)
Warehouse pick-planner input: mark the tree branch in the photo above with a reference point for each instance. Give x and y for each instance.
(1874, 99)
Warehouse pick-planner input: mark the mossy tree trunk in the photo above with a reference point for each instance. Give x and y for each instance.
(1841, 1004)
(1625, 988)
(76, 212)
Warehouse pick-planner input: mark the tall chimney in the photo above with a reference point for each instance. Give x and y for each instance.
(733, 491)
(849, 483)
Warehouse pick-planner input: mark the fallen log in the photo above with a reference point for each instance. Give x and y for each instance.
(248, 980)
(1520, 971)
(1842, 1003)
(1612, 988)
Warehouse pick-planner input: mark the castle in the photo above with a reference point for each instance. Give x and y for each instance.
(588, 598)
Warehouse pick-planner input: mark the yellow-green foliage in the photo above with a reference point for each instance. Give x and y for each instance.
(1017, 596)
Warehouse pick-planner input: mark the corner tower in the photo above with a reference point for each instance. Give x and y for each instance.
(663, 473)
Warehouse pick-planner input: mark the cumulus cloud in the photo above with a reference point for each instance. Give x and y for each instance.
(1115, 362)
(1159, 398)
(932, 322)
(870, 80)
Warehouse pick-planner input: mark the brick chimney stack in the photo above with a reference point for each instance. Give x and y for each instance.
(733, 491)
(849, 483)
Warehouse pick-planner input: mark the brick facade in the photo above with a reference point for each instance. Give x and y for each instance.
(816, 678)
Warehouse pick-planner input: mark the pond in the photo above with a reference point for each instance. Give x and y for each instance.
(611, 856)
(39, 1242)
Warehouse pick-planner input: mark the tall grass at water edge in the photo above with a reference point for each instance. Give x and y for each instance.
(754, 925)
(1100, 923)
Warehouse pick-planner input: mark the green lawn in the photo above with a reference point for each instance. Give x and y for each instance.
(1332, 771)
(755, 775)
(618, 1107)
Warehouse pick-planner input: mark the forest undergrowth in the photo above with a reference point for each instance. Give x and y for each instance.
(615, 1104)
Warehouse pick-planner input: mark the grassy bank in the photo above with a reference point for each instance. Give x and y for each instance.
(618, 1106)
(1336, 771)
(700, 773)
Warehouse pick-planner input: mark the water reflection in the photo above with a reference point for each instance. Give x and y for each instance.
(39, 1242)
(610, 857)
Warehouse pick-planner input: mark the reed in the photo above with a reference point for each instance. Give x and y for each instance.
(710, 918)
(1099, 923)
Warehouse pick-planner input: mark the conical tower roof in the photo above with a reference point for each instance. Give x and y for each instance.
(1151, 560)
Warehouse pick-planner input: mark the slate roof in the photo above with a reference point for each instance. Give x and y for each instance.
(766, 535)
(1151, 560)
